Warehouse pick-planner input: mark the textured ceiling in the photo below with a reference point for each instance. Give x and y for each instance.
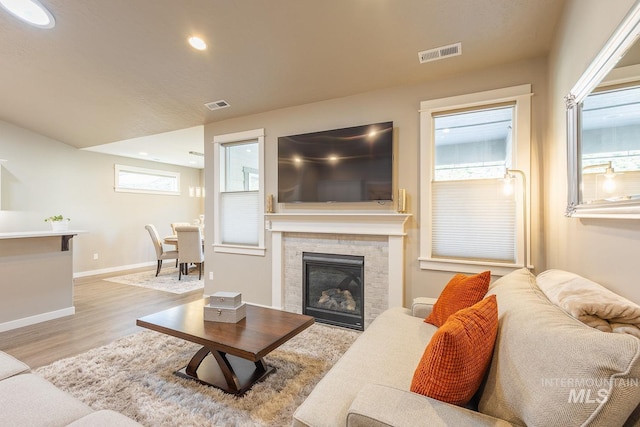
(112, 70)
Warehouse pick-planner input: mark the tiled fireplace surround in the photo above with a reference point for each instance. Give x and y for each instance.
(378, 237)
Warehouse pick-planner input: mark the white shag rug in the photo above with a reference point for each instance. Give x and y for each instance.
(135, 376)
(166, 281)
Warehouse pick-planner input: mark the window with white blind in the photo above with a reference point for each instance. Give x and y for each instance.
(469, 222)
(239, 193)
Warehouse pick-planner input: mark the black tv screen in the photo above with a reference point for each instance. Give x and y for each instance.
(341, 165)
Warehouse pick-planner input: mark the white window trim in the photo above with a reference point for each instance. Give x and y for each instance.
(146, 171)
(521, 152)
(237, 137)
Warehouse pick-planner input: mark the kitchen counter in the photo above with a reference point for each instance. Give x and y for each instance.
(36, 277)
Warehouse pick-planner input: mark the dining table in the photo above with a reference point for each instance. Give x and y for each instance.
(173, 240)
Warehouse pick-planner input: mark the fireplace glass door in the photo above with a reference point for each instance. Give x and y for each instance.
(334, 289)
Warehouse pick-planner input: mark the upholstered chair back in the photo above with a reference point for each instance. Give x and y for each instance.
(189, 244)
(177, 224)
(155, 238)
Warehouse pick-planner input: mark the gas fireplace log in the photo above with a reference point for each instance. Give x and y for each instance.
(336, 299)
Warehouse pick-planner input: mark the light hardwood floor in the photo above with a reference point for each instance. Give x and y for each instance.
(105, 311)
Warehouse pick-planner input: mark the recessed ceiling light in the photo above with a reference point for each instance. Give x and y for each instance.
(197, 43)
(30, 11)
(143, 153)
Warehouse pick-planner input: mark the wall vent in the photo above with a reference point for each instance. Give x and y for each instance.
(440, 53)
(216, 105)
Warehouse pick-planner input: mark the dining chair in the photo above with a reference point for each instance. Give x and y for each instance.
(157, 244)
(173, 229)
(177, 224)
(191, 250)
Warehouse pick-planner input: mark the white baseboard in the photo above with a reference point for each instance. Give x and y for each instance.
(31, 320)
(113, 269)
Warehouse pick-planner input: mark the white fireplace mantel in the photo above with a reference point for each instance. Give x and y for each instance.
(380, 224)
(391, 225)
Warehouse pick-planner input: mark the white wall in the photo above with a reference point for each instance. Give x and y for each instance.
(44, 177)
(251, 275)
(602, 250)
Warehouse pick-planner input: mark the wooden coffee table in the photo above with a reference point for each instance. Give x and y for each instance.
(232, 356)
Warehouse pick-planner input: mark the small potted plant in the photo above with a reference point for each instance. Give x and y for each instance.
(58, 222)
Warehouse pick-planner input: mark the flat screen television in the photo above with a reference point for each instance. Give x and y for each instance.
(353, 164)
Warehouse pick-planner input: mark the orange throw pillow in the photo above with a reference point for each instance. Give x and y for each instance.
(458, 355)
(461, 292)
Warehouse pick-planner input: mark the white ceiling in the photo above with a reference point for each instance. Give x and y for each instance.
(183, 147)
(118, 71)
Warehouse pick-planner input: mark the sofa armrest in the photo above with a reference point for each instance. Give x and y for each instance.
(422, 306)
(382, 406)
(10, 366)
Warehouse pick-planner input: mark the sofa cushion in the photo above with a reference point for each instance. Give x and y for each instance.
(456, 359)
(550, 369)
(382, 406)
(461, 292)
(29, 400)
(10, 366)
(386, 353)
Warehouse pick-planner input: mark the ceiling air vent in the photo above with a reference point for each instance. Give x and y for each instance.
(440, 53)
(216, 105)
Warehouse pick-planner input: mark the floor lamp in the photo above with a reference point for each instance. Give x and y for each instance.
(509, 177)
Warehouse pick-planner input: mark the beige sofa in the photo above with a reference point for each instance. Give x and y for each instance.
(29, 400)
(548, 369)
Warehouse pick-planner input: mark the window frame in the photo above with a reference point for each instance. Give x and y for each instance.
(144, 171)
(520, 159)
(219, 141)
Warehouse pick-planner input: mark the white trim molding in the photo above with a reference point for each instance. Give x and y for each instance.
(231, 138)
(38, 318)
(382, 224)
(519, 159)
